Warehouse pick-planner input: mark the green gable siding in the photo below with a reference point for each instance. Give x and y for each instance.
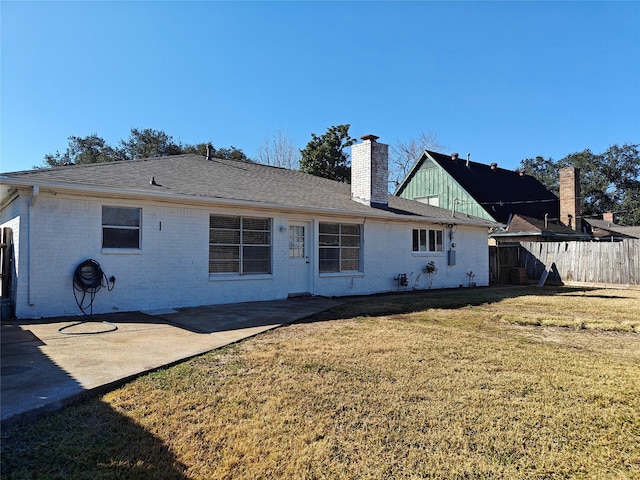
(430, 179)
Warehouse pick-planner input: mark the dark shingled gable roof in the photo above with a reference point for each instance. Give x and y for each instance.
(193, 176)
(500, 192)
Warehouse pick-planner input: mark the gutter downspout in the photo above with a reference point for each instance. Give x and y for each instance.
(32, 204)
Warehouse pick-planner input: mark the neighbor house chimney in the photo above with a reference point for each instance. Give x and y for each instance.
(570, 198)
(370, 172)
(209, 154)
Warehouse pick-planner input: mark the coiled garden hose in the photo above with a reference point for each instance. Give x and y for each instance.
(88, 279)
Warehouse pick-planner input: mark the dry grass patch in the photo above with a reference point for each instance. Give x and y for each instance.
(613, 310)
(437, 392)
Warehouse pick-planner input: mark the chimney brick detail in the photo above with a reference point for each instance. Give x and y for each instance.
(370, 172)
(570, 198)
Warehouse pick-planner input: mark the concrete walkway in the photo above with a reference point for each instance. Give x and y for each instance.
(43, 369)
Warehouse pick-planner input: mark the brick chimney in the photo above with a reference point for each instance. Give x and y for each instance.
(570, 198)
(608, 217)
(370, 172)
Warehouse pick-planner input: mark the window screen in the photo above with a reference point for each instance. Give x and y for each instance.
(239, 245)
(339, 247)
(121, 227)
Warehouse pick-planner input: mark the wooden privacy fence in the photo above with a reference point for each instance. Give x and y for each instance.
(584, 262)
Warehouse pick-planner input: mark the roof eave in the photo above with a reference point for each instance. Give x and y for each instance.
(545, 233)
(518, 234)
(110, 192)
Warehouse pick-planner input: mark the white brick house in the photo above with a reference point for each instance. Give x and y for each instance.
(188, 230)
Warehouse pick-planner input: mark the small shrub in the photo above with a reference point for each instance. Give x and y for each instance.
(430, 269)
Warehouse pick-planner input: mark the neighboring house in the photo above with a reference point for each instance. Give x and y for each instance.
(527, 229)
(607, 231)
(189, 230)
(484, 191)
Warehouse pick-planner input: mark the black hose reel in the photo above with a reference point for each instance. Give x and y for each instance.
(88, 279)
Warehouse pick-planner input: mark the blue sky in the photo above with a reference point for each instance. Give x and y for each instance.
(501, 80)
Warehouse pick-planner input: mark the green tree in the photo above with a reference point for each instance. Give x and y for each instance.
(146, 143)
(197, 149)
(609, 182)
(545, 170)
(142, 143)
(324, 155)
(89, 149)
(595, 182)
(230, 153)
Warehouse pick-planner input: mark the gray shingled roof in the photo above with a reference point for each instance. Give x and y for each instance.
(522, 223)
(230, 180)
(631, 232)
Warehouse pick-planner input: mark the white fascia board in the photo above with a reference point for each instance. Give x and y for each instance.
(517, 234)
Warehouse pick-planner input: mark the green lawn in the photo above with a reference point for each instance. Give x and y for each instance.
(473, 383)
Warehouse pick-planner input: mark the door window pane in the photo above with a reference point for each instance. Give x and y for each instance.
(296, 241)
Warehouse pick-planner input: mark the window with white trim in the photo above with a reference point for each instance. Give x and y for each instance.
(427, 240)
(433, 200)
(240, 245)
(121, 227)
(339, 247)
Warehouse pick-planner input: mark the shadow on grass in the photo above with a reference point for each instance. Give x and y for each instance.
(88, 441)
(420, 300)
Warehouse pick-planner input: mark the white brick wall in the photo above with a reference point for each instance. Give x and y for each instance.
(387, 249)
(171, 269)
(370, 172)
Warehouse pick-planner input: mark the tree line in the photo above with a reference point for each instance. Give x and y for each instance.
(141, 143)
(610, 181)
(325, 155)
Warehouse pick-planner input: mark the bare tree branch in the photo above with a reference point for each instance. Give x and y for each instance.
(405, 154)
(278, 150)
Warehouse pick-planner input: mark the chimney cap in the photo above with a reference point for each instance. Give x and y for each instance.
(370, 136)
(454, 156)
